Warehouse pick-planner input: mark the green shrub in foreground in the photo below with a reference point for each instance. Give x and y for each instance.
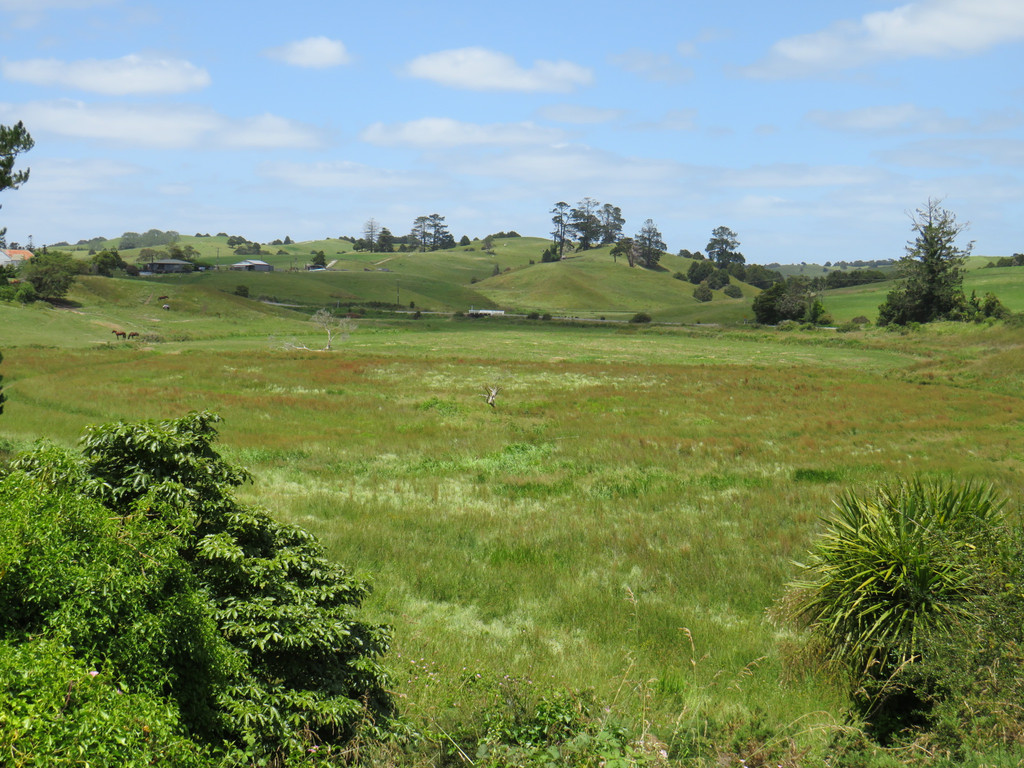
(898, 582)
(135, 559)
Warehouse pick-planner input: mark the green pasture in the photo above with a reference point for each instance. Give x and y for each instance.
(624, 520)
(1007, 283)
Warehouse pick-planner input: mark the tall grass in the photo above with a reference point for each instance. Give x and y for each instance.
(621, 521)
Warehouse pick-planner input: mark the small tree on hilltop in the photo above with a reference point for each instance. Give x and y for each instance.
(931, 273)
(721, 248)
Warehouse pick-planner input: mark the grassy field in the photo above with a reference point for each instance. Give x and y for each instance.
(623, 521)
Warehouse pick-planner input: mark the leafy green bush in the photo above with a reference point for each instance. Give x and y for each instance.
(136, 555)
(640, 317)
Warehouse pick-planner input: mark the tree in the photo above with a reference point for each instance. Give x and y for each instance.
(650, 244)
(438, 232)
(420, 234)
(795, 299)
(699, 271)
(385, 241)
(151, 570)
(583, 222)
(333, 326)
(105, 263)
(13, 141)
(721, 248)
(560, 233)
(51, 273)
(623, 247)
(931, 273)
(612, 223)
(319, 259)
(371, 230)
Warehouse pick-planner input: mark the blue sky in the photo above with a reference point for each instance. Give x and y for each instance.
(809, 128)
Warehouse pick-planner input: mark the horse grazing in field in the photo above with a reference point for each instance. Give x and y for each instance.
(119, 334)
(133, 335)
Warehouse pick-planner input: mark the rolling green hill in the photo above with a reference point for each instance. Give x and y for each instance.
(589, 285)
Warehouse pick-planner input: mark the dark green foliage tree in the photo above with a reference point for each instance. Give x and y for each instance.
(385, 241)
(612, 223)
(319, 259)
(625, 248)
(550, 254)
(188, 594)
(464, 240)
(584, 223)
(794, 299)
(717, 279)
(842, 279)
(105, 263)
(13, 141)
(733, 291)
(931, 273)
(761, 277)
(51, 274)
(649, 244)
(700, 271)
(721, 248)
(703, 292)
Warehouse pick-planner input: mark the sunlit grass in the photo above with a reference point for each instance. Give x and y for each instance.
(624, 518)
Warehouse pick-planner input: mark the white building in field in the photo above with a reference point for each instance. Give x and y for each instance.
(253, 265)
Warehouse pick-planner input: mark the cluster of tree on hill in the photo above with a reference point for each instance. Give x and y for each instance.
(589, 224)
(1017, 260)
(154, 238)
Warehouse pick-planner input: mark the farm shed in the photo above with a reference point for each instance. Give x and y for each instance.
(164, 266)
(253, 265)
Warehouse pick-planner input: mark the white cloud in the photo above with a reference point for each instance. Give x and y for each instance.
(445, 132)
(478, 69)
(66, 176)
(339, 174)
(313, 52)
(899, 118)
(161, 127)
(579, 115)
(659, 67)
(673, 120)
(931, 28)
(573, 166)
(797, 175)
(46, 5)
(957, 153)
(115, 77)
(268, 131)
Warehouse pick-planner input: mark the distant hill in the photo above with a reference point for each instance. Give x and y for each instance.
(590, 284)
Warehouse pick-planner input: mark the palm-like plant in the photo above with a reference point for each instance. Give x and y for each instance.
(892, 569)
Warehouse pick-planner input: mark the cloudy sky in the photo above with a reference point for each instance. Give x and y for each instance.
(809, 128)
